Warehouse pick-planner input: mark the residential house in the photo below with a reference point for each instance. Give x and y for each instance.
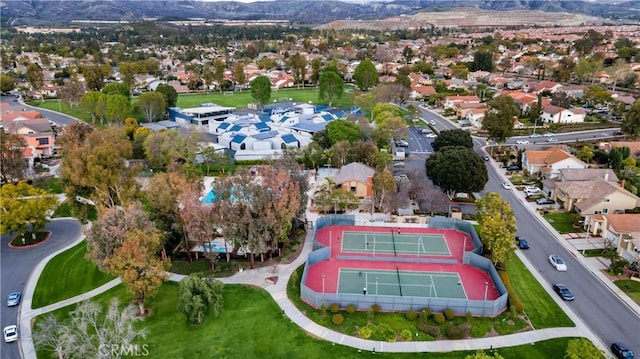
(555, 114)
(355, 177)
(573, 91)
(623, 231)
(454, 102)
(37, 133)
(597, 196)
(421, 91)
(545, 85)
(200, 116)
(550, 162)
(475, 116)
(577, 174)
(634, 146)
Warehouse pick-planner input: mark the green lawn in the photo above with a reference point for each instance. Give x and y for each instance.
(67, 275)
(538, 304)
(52, 185)
(562, 222)
(631, 288)
(61, 106)
(252, 326)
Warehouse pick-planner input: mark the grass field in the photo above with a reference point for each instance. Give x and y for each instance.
(631, 288)
(538, 304)
(238, 100)
(67, 275)
(562, 222)
(252, 326)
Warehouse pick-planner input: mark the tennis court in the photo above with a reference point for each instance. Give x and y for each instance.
(395, 243)
(400, 283)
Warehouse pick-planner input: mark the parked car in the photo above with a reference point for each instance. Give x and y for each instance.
(402, 143)
(552, 139)
(522, 142)
(425, 130)
(485, 157)
(621, 351)
(522, 243)
(513, 168)
(13, 299)
(563, 291)
(558, 263)
(431, 135)
(531, 191)
(544, 201)
(10, 333)
(506, 185)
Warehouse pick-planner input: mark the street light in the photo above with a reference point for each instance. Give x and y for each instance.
(486, 288)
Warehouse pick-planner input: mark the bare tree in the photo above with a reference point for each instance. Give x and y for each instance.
(53, 336)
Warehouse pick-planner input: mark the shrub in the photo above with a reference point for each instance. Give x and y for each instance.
(334, 308)
(406, 334)
(370, 315)
(456, 332)
(323, 310)
(411, 315)
(439, 318)
(376, 308)
(449, 314)
(425, 314)
(384, 332)
(337, 319)
(351, 308)
(365, 332)
(432, 330)
(468, 316)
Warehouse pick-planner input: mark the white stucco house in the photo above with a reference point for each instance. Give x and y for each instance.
(555, 114)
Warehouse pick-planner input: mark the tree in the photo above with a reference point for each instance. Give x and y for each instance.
(24, 208)
(384, 186)
(117, 108)
(497, 226)
(585, 153)
(298, 64)
(631, 121)
(35, 76)
(90, 334)
(618, 71)
(7, 83)
(166, 148)
(407, 54)
(261, 90)
(366, 101)
(119, 88)
(586, 69)
(128, 70)
(331, 85)
(597, 95)
(316, 66)
(170, 94)
(138, 266)
(459, 71)
(218, 72)
(199, 296)
(13, 165)
(582, 348)
(342, 130)
(54, 336)
(615, 159)
(561, 99)
(71, 93)
(499, 119)
(198, 223)
(483, 61)
(457, 169)
(151, 106)
(94, 76)
(482, 355)
(456, 137)
(238, 73)
(365, 75)
(95, 104)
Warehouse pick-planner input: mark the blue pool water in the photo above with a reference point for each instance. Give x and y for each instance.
(210, 197)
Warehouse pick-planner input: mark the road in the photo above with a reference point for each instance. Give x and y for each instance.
(16, 265)
(59, 119)
(605, 314)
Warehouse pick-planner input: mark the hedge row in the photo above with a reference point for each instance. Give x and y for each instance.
(514, 300)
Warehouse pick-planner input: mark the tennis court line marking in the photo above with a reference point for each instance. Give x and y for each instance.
(413, 238)
(462, 286)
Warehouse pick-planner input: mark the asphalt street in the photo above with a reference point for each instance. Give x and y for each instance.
(16, 265)
(59, 119)
(606, 315)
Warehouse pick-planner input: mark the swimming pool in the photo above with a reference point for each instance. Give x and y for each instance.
(210, 197)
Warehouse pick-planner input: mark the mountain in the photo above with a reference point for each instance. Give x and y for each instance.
(60, 12)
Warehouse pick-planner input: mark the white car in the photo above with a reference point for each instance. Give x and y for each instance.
(522, 142)
(432, 122)
(534, 135)
(552, 139)
(558, 263)
(431, 135)
(506, 185)
(10, 333)
(548, 134)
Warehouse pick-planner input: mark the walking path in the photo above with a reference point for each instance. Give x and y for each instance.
(278, 291)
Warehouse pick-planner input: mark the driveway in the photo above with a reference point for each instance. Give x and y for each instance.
(16, 266)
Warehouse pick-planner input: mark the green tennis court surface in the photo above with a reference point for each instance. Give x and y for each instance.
(400, 283)
(395, 243)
